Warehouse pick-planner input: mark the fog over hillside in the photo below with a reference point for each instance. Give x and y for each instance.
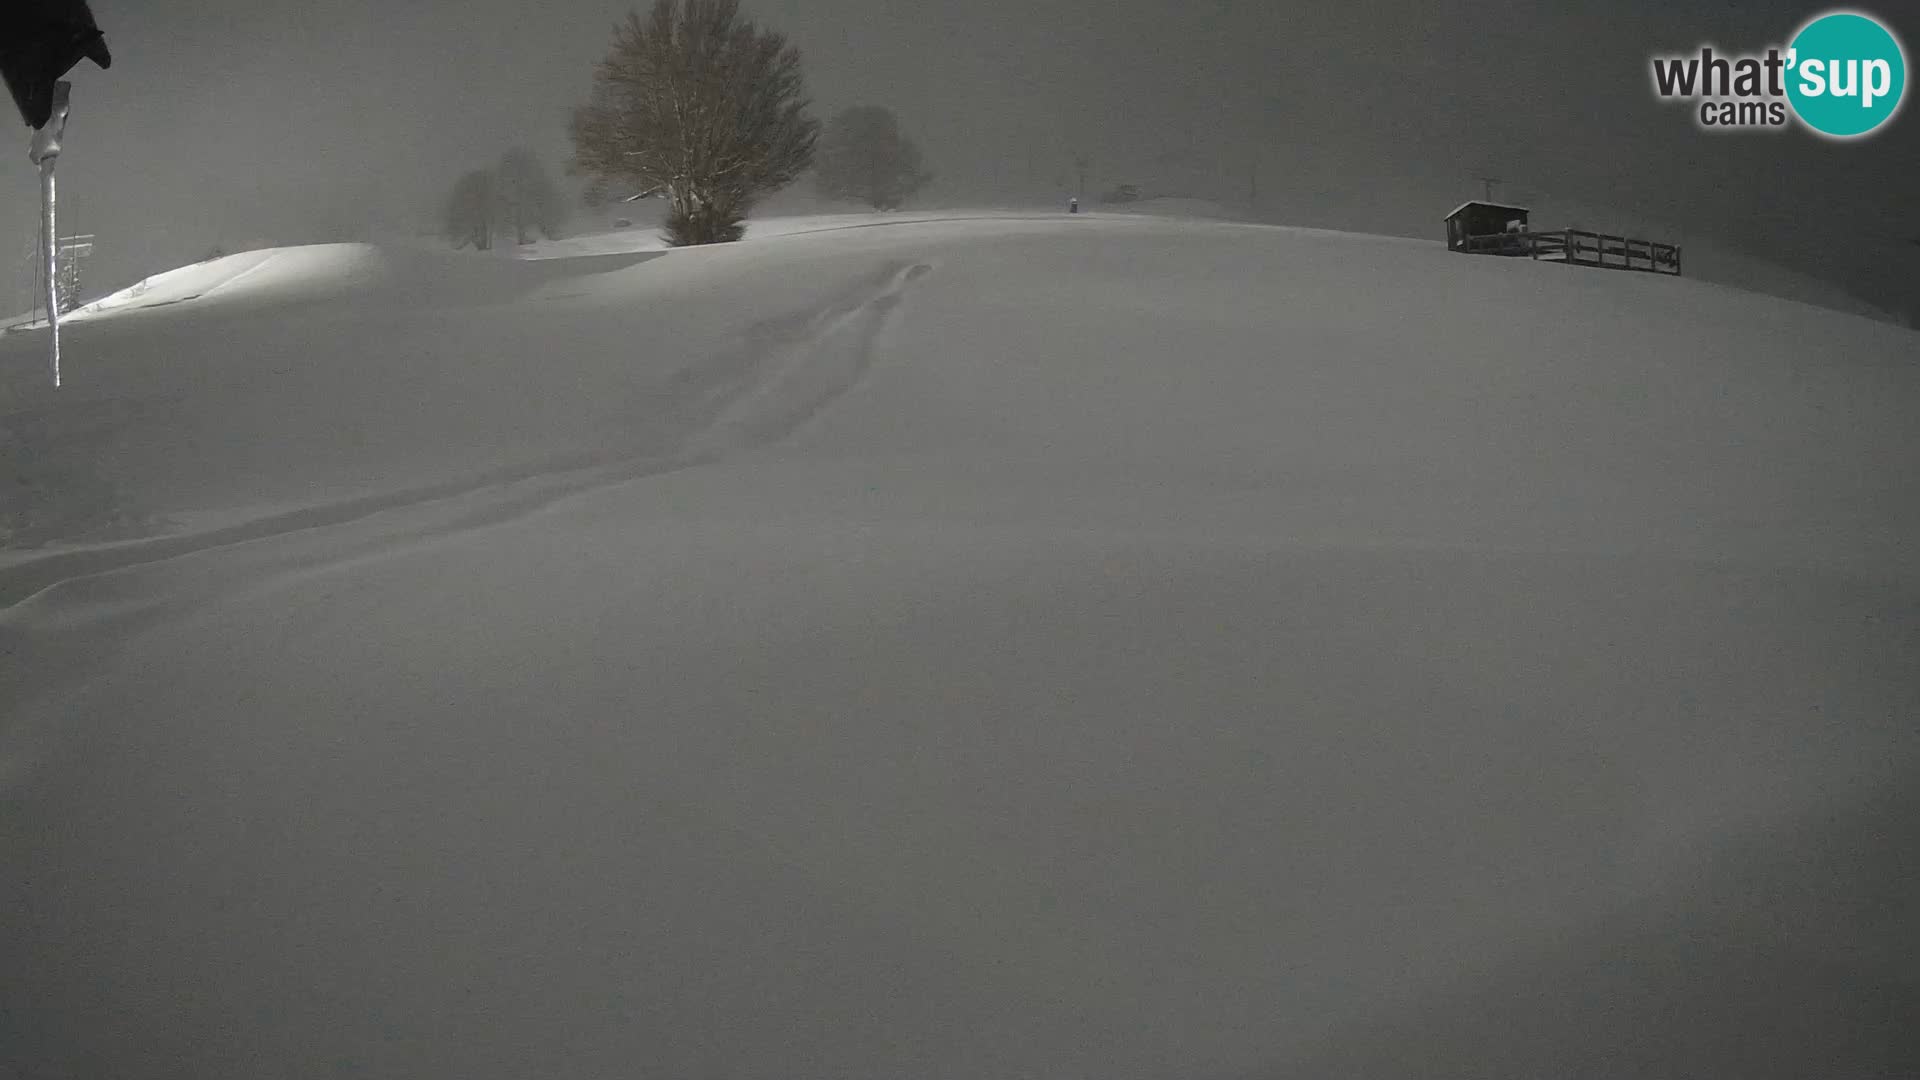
(272, 122)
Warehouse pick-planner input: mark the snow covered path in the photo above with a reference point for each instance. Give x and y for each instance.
(983, 649)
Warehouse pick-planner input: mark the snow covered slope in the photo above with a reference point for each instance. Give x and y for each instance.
(645, 236)
(1101, 646)
(272, 272)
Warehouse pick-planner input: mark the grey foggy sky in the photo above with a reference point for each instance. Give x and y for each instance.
(250, 121)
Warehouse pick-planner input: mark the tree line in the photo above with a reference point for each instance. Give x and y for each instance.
(515, 198)
(707, 111)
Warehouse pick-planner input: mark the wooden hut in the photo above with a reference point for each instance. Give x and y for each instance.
(1478, 218)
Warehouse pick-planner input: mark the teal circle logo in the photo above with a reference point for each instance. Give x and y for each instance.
(1847, 75)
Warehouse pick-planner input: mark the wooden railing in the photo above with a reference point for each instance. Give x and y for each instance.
(1580, 248)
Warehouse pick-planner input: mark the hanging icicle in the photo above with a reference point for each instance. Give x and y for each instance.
(40, 41)
(44, 153)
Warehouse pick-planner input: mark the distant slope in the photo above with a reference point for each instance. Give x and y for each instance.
(355, 327)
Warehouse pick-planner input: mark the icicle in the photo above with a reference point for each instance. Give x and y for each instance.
(44, 152)
(53, 265)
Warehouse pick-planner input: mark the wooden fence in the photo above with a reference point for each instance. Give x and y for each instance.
(1579, 248)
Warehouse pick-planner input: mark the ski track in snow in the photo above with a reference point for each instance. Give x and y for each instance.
(786, 372)
(56, 612)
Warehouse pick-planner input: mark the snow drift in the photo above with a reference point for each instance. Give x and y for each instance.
(979, 648)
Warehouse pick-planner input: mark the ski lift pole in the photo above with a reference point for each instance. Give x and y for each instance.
(44, 152)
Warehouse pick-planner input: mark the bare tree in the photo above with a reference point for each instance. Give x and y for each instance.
(864, 157)
(702, 105)
(470, 211)
(526, 197)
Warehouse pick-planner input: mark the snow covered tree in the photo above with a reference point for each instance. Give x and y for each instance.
(702, 106)
(526, 198)
(470, 211)
(863, 157)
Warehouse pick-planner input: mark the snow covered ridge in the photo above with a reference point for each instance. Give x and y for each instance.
(264, 273)
(271, 277)
(646, 237)
(425, 367)
(268, 276)
(283, 274)
(266, 270)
